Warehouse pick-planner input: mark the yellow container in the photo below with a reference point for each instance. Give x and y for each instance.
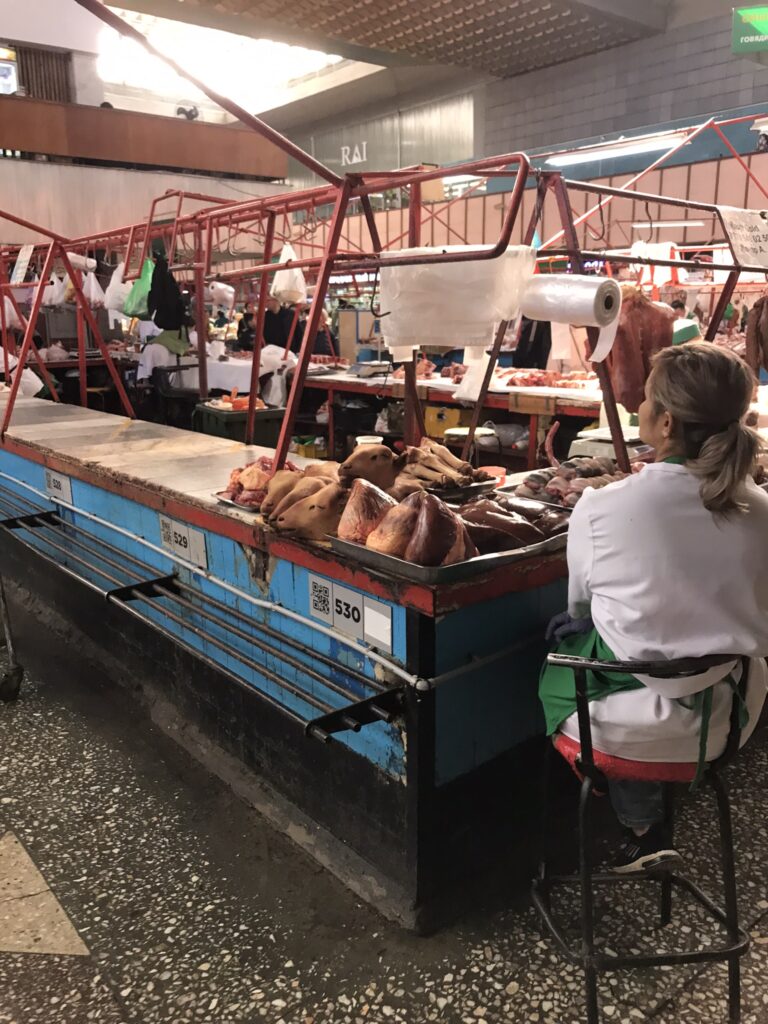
(439, 418)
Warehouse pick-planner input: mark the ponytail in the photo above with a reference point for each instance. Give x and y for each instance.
(707, 391)
(723, 464)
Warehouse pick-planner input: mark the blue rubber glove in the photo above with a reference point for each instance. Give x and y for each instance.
(563, 625)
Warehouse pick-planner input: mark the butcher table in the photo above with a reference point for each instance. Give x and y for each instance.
(386, 725)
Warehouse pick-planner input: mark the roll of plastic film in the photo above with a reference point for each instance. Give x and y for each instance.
(578, 300)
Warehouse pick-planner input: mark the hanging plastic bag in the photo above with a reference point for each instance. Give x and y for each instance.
(70, 295)
(117, 291)
(289, 285)
(54, 293)
(11, 318)
(136, 302)
(222, 295)
(93, 292)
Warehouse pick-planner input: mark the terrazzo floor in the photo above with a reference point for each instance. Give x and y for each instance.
(163, 899)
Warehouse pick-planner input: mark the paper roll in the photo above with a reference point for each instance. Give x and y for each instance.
(578, 300)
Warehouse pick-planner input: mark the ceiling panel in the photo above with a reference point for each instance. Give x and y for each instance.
(501, 38)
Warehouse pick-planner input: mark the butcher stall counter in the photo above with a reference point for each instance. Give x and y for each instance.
(388, 725)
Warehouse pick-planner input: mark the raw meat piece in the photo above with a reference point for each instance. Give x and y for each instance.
(372, 462)
(365, 509)
(645, 328)
(403, 486)
(438, 535)
(552, 523)
(393, 534)
(508, 529)
(281, 483)
(446, 456)
(329, 470)
(254, 478)
(530, 510)
(301, 490)
(249, 499)
(315, 517)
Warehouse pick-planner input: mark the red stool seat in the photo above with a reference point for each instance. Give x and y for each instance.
(618, 768)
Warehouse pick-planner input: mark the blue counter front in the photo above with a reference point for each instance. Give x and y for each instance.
(373, 708)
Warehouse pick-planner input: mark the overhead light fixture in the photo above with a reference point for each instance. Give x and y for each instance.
(614, 150)
(668, 224)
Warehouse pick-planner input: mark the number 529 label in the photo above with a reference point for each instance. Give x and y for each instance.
(183, 541)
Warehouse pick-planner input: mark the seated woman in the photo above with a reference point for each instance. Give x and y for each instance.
(246, 333)
(671, 562)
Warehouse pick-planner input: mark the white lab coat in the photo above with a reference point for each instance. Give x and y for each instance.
(664, 578)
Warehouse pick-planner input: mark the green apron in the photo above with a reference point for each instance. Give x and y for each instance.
(176, 342)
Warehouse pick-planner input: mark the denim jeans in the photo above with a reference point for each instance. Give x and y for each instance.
(637, 804)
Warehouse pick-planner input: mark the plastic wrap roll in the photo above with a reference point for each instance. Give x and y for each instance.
(578, 300)
(81, 262)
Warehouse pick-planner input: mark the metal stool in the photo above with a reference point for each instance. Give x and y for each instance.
(594, 769)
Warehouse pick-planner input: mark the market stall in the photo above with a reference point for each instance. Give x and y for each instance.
(370, 651)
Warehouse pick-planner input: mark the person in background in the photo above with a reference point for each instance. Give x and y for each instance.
(277, 323)
(671, 562)
(326, 343)
(221, 319)
(680, 311)
(246, 333)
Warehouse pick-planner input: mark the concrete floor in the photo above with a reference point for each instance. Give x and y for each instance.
(135, 888)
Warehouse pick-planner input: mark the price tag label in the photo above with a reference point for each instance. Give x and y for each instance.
(184, 541)
(352, 613)
(58, 486)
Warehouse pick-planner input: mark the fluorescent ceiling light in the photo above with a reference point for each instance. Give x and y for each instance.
(668, 224)
(614, 150)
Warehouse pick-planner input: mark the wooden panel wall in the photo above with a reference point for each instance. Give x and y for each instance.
(125, 137)
(45, 74)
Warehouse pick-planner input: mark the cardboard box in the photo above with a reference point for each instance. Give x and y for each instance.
(439, 418)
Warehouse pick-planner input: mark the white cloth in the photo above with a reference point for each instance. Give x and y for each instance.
(152, 356)
(663, 578)
(30, 383)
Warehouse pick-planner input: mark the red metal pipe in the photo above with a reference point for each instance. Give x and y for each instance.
(91, 321)
(201, 317)
(288, 147)
(259, 337)
(82, 368)
(29, 331)
(39, 362)
(313, 321)
(626, 188)
(743, 163)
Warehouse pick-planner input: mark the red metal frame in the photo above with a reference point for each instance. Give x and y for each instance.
(259, 219)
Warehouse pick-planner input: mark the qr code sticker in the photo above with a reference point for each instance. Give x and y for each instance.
(166, 533)
(321, 598)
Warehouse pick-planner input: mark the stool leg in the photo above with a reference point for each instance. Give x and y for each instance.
(545, 796)
(666, 882)
(729, 886)
(587, 902)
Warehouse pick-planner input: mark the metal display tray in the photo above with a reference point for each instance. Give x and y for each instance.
(469, 569)
(459, 494)
(233, 504)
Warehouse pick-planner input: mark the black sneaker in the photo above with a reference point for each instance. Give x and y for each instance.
(649, 853)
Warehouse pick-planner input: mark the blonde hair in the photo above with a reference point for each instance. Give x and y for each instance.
(707, 391)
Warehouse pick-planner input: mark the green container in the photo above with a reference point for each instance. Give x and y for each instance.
(220, 423)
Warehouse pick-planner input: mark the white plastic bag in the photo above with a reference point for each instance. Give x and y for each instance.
(11, 319)
(93, 292)
(222, 295)
(289, 285)
(117, 292)
(53, 294)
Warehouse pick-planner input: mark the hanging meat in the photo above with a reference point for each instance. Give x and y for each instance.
(645, 328)
(366, 507)
(439, 535)
(757, 336)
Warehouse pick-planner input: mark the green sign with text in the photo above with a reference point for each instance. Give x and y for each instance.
(750, 29)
